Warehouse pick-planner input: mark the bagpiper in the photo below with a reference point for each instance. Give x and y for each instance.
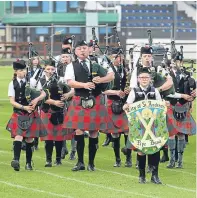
(115, 101)
(52, 112)
(25, 122)
(87, 112)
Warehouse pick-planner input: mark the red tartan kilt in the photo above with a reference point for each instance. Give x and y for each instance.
(120, 121)
(187, 126)
(93, 119)
(36, 129)
(54, 131)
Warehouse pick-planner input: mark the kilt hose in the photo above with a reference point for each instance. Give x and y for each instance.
(187, 126)
(36, 129)
(120, 121)
(55, 132)
(93, 119)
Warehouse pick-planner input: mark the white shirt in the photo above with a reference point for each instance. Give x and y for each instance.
(133, 80)
(70, 75)
(131, 96)
(11, 91)
(57, 59)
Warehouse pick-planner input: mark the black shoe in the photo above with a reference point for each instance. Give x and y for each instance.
(79, 166)
(48, 164)
(91, 167)
(107, 141)
(171, 165)
(179, 165)
(128, 163)
(142, 180)
(64, 153)
(142, 177)
(15, 164)
(28, 166)
(58, 163)
(155, 179)
(72, 155)
(117, 163)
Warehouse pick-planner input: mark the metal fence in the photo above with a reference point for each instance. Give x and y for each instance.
(17, 38)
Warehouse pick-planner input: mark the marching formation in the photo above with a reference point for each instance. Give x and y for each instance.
(84, 92)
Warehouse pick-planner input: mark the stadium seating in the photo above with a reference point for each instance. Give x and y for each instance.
(160, 16)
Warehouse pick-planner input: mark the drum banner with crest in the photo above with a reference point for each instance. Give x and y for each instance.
(148, 130)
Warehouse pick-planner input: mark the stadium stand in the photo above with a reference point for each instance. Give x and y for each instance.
(145, 16)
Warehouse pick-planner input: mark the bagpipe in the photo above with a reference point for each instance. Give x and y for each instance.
(159, 73)
(31, 92)
(187, 72)
(57, 88)
(189, 83)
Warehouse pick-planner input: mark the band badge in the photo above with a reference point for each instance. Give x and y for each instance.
(88, 103)
(147, 125)
(24, 122)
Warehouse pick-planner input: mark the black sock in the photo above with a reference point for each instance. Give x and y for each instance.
(80, 147)
(176, 151)
(17, 150)
(109, 136)
(125, 139)
(93, 146)
(49, 150)
(154, 159)
(29, 152)
(142, 161)
(58, 148)
(117, 147)
(128, 154)
(186, 138)
(36, 141)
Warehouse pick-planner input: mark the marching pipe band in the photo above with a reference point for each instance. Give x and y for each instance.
(99, 97)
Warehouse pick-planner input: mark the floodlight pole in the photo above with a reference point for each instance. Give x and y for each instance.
(174, 20)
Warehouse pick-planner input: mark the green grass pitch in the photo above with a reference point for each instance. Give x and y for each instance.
(105, 182)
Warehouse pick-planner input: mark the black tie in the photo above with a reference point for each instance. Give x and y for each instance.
(178, 77)
(84, 65)
(119, 70)
(22, 83)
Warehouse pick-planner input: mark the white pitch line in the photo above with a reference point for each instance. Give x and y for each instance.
(189, 190)
(179, 171)
(95, 185)
(89, 184)
(125, 175)
(33, 189)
